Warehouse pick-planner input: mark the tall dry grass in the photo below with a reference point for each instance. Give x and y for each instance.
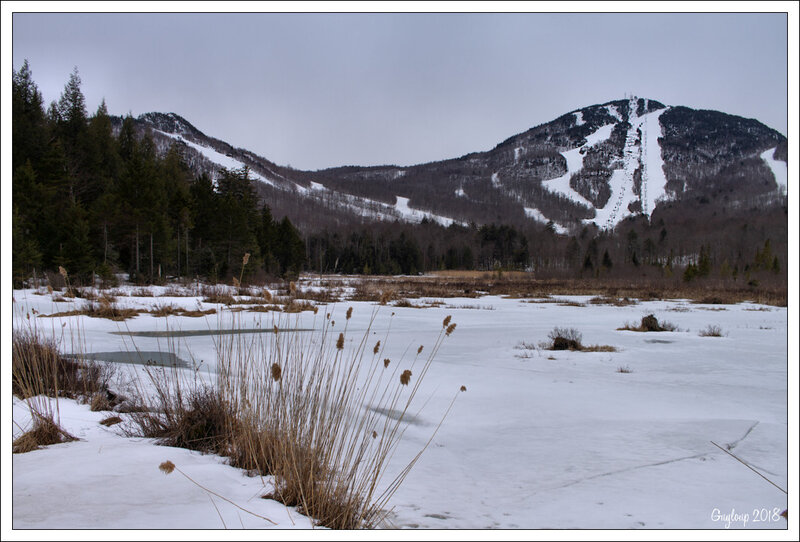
(310, 410)
(307, 408)
(39, 375)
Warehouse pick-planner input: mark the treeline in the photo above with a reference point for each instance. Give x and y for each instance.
(96, 202)
(745, 248)
(382, 249)
(99, 200)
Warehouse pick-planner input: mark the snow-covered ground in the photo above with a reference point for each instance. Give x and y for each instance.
(540, 439)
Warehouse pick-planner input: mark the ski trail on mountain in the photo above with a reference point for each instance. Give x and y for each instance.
(641, 150)
(574, 158)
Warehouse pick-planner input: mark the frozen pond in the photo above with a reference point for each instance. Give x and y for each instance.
(546, 439)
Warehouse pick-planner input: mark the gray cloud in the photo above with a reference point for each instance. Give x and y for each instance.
(321, 90)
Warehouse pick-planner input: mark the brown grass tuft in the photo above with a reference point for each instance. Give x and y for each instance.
(615, 301)
(405, 377)
(167, 467)
(217, 294)
(37, 368)
(197, 419)
(44, 433)
(599, 348)
(111, 420)
(340, 342)
(711, 331)
(100, 402)
(299, 306)
(649, 323)
(164, 310)
(386, 296)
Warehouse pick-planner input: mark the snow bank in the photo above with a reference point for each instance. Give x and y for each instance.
(108, 481)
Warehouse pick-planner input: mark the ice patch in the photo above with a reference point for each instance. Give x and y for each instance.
(517, 152)
(778, 167)
(495, 180)
(579, 119)
(460, 192)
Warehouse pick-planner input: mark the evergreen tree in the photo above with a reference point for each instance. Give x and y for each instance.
(289, 249)
(607, 260)
(266, 236)
(28, 124)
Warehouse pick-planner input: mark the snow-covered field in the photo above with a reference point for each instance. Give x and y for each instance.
(540, 439)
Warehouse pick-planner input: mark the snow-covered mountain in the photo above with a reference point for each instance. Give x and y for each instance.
(599, 164)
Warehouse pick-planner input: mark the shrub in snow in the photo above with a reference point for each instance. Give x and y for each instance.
(565, 339)
(711, 331)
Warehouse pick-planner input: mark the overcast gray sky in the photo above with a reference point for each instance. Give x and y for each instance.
(323, 90)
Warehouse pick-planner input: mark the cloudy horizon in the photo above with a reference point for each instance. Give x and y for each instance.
(324, 90)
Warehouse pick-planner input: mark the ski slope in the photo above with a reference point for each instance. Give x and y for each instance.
(778, 168)
(644, 152)
(574, 158)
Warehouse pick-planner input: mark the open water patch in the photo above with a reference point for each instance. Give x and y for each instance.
(139, 357)
(203, 332)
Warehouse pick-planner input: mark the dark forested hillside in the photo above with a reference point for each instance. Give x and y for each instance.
(95, 203)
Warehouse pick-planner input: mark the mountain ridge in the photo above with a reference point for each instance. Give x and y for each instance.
(598, 164)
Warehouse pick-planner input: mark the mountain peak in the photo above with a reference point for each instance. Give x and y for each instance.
(170, 123)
